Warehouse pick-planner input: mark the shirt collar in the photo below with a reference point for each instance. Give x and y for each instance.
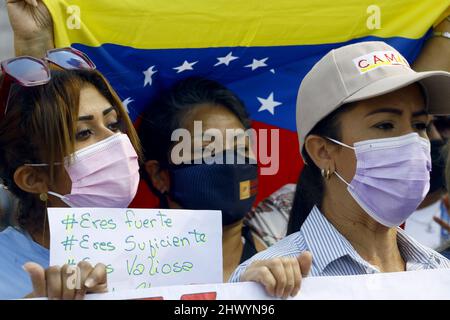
(327, 244)
(325, 241)
(413, 251)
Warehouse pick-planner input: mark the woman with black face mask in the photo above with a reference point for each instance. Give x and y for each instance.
(196, 183)
(421, 224)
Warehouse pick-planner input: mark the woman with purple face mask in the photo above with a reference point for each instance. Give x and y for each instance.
(65, 140)
(362, 118)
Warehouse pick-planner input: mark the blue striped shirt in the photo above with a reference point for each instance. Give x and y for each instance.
(333, 255)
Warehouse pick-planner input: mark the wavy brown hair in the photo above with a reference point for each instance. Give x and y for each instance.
(40, 127)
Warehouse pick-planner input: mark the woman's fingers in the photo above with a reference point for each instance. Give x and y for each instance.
(96, 280)
(446, 202)
(85, 269)
(289, 264)
(266, 278)
(54, 283)
(32, 3)
(281, 277)
(66, 282)
(259, 272)
(276, 266)
(297, 277)
(69, 275)
(37, 275)
(305, 262)
(442, 223)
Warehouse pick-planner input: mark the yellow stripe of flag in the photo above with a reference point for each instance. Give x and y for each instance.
(154, 24)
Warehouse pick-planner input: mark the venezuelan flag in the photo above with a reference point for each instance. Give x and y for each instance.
(261, 49)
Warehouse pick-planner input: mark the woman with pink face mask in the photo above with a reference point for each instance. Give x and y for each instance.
(65, 140)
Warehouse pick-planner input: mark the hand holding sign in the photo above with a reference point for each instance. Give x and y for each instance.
(444, 225)
(61, 282)
(410, 285)
(280, 276)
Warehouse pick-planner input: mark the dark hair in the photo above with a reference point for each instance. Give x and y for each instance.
(170, 109)
(310, 187)
(40, 127)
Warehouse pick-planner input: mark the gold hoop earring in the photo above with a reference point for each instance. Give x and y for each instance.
(43, 197)
(326, 174)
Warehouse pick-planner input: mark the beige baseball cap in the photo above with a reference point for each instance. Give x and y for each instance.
(360, 71)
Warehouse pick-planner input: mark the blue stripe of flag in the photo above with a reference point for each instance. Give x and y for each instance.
(280, 72)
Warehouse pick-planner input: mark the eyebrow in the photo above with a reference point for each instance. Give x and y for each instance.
(420, 113)
(397, 112)
(91, 117)
(106, 111)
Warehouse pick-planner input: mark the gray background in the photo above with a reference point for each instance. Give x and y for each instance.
(6, 38)
(6, 51)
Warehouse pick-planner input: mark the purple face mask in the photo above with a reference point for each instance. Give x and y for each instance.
(392, 176)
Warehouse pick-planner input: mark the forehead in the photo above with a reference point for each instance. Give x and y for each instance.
(212, 116)
(92, 101)
(410, 99)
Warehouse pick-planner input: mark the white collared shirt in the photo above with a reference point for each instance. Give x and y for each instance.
(333, 255)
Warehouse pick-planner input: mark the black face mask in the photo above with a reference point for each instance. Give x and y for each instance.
(231, 188)
(438, 160)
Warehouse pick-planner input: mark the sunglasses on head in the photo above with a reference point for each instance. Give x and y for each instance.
(30, 72)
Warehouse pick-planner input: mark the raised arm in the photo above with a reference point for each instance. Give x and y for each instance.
(436, 53)
(32, 26)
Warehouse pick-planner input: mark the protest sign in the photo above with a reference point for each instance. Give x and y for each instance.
(425, 284)
(141, 248)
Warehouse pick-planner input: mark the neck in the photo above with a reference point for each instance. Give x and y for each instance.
(375, 243)
(41, 234)
(232, 236)
(232, 247)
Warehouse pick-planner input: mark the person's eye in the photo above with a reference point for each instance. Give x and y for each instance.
(83, 134)
(115, 126)
(384, 126)
(421, 126)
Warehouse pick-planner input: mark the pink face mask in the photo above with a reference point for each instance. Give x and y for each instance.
(105, 174)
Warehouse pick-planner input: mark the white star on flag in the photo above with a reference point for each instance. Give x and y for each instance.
(126, 102)
(257, 64)
(268, 104)
(148, 75)
(226, 60)
(185, 66)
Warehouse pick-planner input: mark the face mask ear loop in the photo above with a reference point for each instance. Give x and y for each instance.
(63, 198)
(342, 179)
(340, 143)
(335, 172)
(40, 164)
(56, 195)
